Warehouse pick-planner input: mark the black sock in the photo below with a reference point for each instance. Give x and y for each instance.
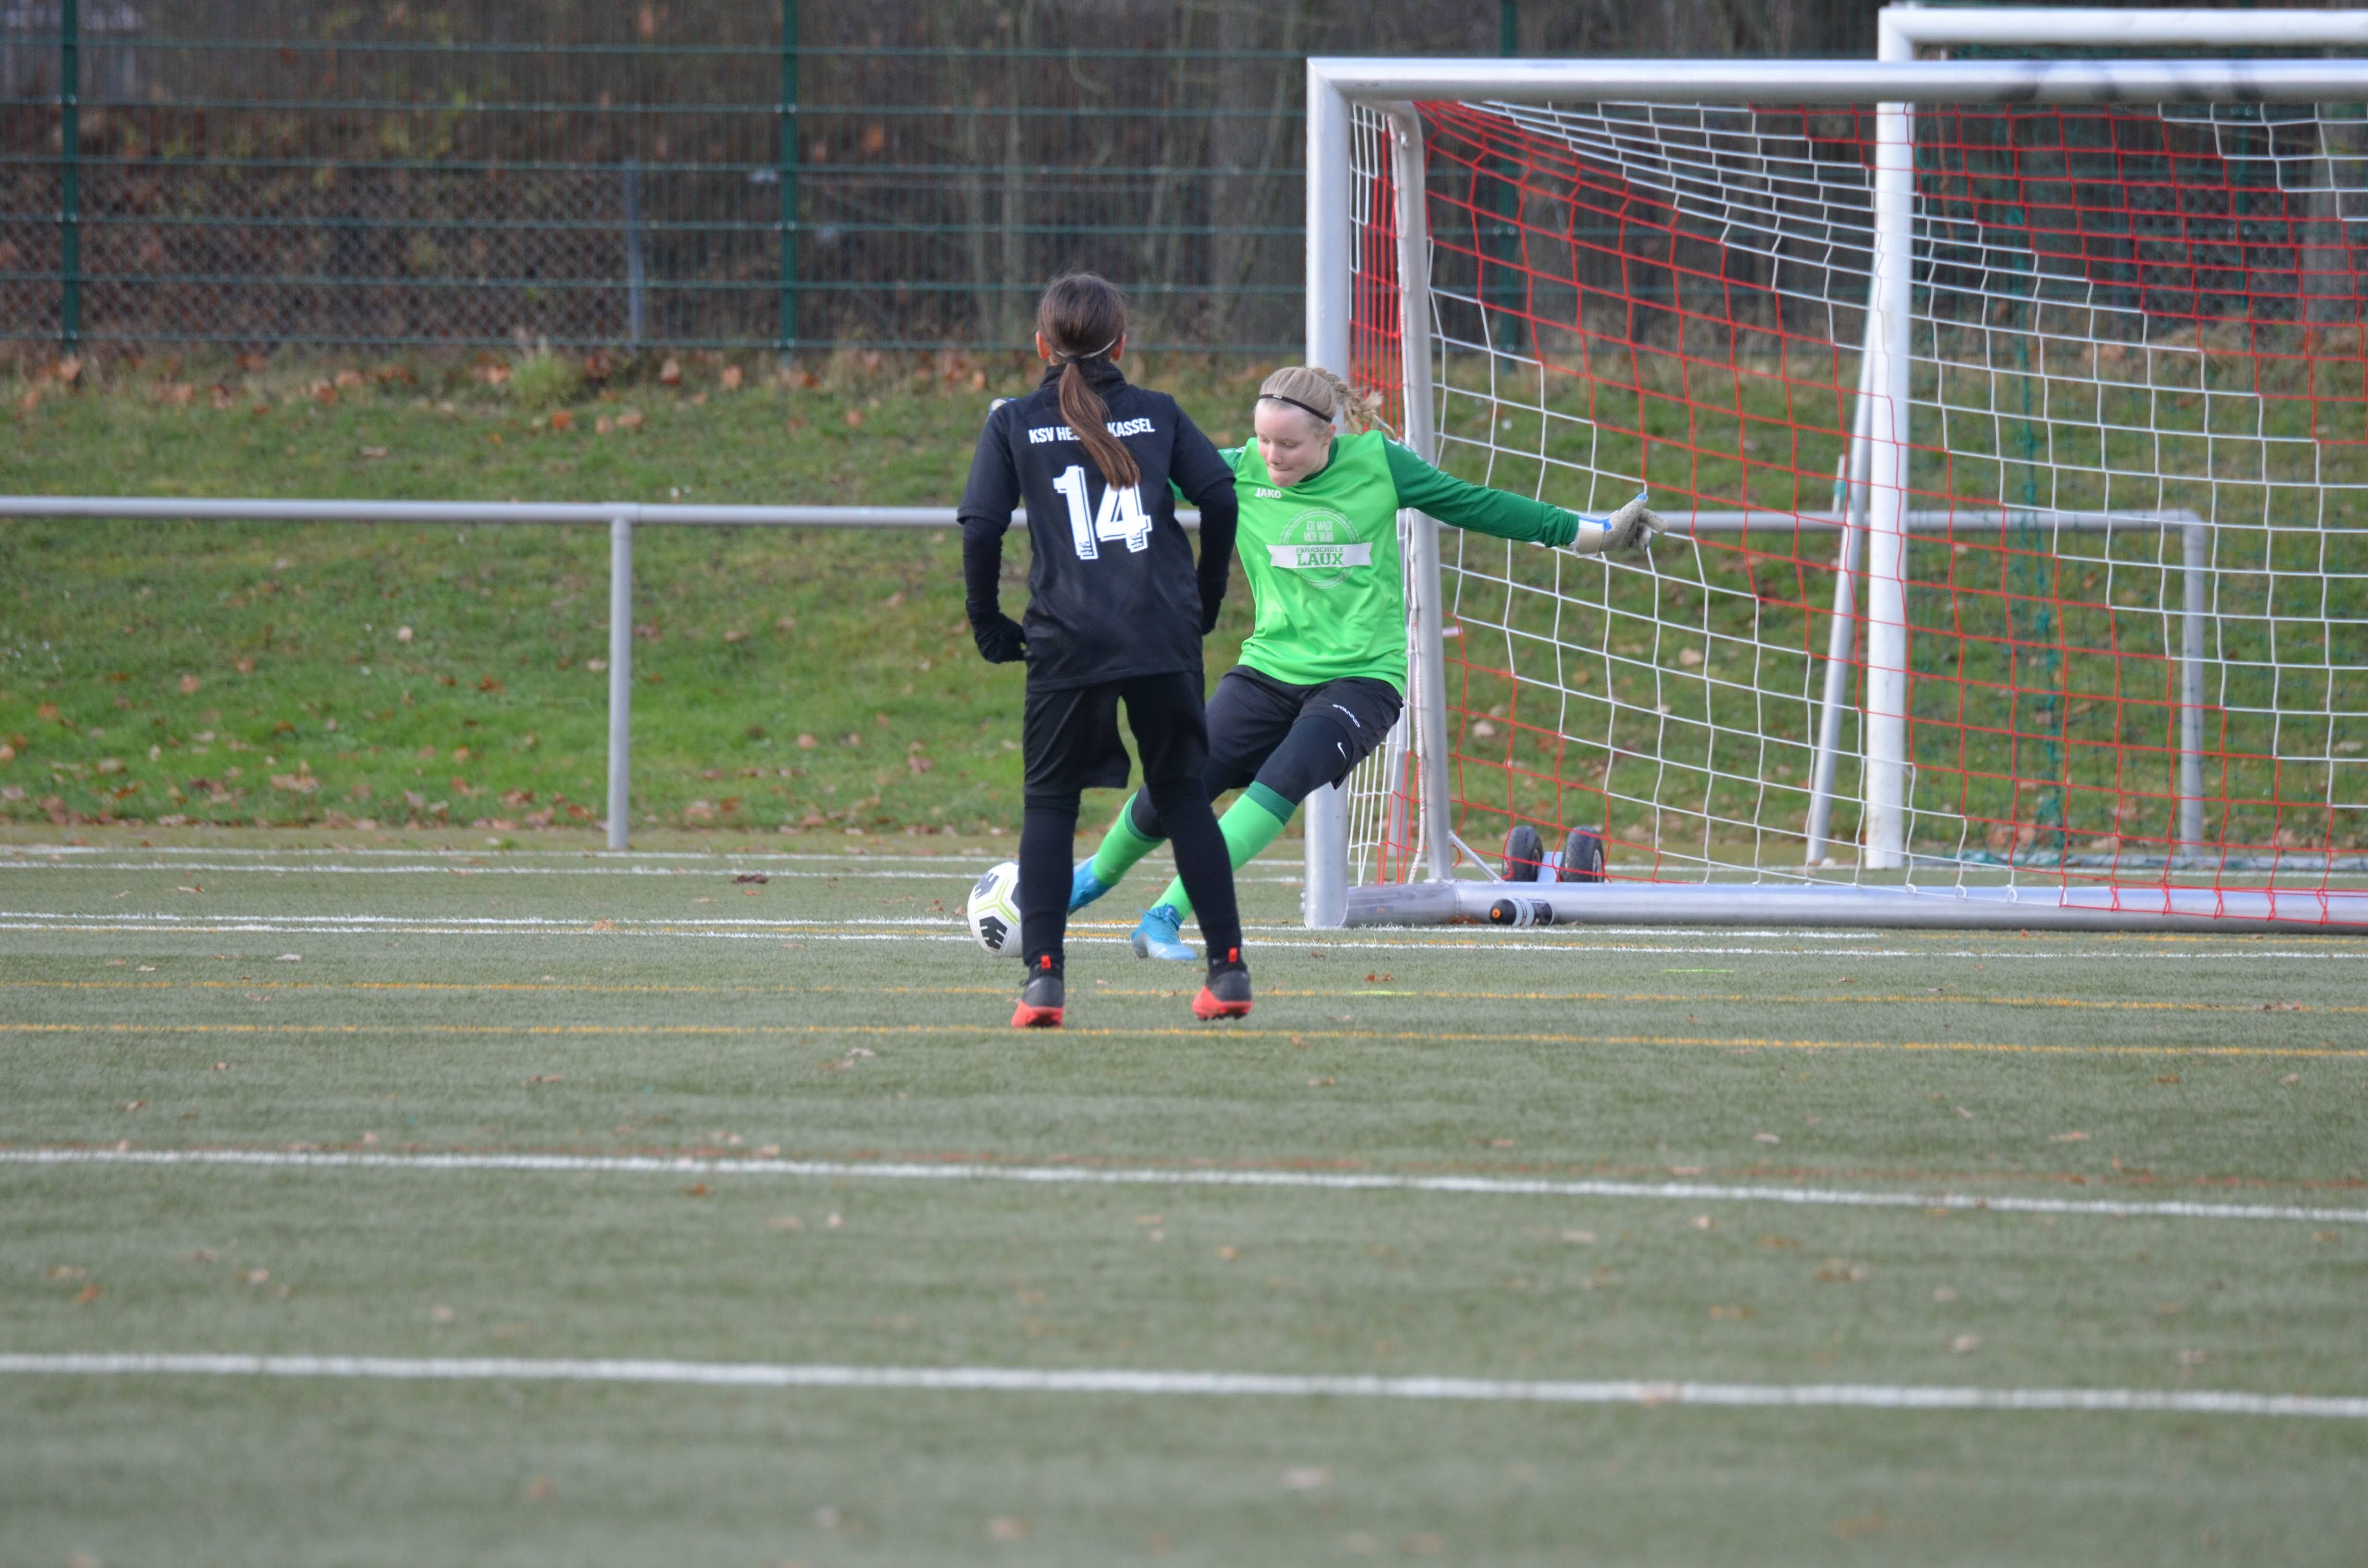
(1205, 864)
(1048, 832)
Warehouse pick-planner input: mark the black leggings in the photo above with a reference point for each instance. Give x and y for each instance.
(1290, 739)
(1070, 740)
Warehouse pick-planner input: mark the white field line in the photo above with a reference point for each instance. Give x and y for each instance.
(1074, 1175)
(724, 858)
(944, 873)
(1266, 1385)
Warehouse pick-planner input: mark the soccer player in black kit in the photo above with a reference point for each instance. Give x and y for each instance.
(1116, 610)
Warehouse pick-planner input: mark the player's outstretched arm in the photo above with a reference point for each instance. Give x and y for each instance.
(1507, 516)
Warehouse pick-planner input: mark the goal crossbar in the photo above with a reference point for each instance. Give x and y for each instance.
(1872, 508)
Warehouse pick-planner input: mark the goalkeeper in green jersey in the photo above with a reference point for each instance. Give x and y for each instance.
(1322, 677)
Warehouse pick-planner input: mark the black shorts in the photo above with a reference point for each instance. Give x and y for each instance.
(1071, 739)
(1253, 713)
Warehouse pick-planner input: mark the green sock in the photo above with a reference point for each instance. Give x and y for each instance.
(1121, 846)
(1249, 825)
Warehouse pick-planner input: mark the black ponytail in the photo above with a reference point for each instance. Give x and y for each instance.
(1082, 317)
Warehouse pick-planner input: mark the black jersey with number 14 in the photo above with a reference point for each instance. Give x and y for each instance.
(1112, 591)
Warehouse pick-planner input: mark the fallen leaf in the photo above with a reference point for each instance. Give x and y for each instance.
(1704, 1223)
(1766, 1138)
(547, 1079)
(2070, 1138)
(1309, 1478)
(1230, 1253)
(1007, 1530)
(698, 1190)
(1964, 1344)
(1580, 1238)
(785, 1223)
(541, 1489)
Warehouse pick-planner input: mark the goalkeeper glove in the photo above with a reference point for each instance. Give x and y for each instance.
(1000, 640)
(1632, 527)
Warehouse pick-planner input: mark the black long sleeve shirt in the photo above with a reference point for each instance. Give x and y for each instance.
(1112, 590)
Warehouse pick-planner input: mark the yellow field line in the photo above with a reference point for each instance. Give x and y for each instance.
(1197, 1032)
(1952, 998)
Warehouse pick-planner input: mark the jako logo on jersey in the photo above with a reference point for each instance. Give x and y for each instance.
(1038, 434)
(1322, 546)
(1263, 494)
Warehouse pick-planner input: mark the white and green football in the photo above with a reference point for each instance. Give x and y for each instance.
(994, 910)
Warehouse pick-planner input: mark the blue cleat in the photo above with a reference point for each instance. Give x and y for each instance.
(1159, 937)
(1085, 887)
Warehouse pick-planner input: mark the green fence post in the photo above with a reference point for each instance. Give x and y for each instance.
(70, 173)
(786, 174)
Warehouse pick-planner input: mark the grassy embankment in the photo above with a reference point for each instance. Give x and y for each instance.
(332, 673)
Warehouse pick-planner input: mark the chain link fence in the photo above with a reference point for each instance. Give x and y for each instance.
(703, 174)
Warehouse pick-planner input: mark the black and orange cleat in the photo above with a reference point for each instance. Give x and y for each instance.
(1227, 992)
(1040, 1000)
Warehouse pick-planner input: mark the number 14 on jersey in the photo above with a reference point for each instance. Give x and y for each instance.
(1119, 516)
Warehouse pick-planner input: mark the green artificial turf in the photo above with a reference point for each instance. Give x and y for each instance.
(658, 1004)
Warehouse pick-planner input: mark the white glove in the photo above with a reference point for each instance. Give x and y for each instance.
(1632, 527)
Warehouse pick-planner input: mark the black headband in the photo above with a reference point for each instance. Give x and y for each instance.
(1294, 402)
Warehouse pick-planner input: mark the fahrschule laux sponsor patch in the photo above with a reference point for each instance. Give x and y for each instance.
(1319, 557)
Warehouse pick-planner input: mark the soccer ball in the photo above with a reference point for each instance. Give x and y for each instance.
(994, 910)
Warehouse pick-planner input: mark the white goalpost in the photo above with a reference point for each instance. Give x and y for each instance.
(2011, 416)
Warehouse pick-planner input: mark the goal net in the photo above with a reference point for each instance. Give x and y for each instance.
(2015, 456)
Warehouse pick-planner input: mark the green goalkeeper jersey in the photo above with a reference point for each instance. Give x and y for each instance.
(1323, 556)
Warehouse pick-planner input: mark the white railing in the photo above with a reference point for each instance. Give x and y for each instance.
(620, 517)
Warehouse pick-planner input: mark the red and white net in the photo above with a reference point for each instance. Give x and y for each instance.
(2139, 459)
